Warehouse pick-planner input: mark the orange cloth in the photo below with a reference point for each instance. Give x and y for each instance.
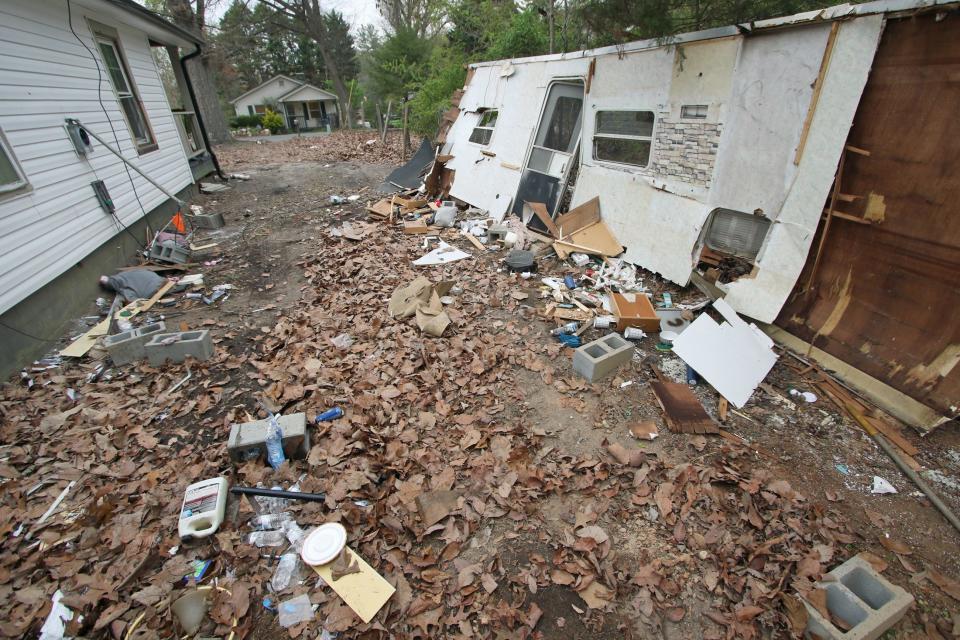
(179, 223)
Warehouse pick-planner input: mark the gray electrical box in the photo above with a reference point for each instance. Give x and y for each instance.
(103, 196)
(80, 139)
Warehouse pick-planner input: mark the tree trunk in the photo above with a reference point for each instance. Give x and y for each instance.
(343, 95)
(207, 101)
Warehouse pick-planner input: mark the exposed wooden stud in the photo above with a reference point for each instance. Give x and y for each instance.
(847, 216)
(817, 89)
(857, 150)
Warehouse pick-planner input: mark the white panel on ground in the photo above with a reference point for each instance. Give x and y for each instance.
(733, 356)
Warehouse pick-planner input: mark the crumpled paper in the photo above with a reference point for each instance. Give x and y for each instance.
(422, 299)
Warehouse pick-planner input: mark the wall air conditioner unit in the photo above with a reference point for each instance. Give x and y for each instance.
(736, 233)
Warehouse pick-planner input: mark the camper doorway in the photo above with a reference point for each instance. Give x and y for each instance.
(552, 150)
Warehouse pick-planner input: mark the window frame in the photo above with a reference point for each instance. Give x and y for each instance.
(482, 113)
(694, 111)
(617, 136)
(104, 35)
(23, 184)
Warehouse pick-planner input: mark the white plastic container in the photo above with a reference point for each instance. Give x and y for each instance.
(204, 504)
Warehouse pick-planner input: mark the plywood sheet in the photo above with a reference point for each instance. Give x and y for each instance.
(595, 239)
(365, 592)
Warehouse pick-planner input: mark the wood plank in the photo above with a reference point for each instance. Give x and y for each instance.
(473, 240)
(817, 89)
(847, 216)
(681, 408)
(579, 217)
(540, 210)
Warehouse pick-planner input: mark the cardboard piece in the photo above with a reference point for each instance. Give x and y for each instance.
(381, 208)
(579, 217)
(635, 310)
(411, 227)
(733, 356)
(365, 592)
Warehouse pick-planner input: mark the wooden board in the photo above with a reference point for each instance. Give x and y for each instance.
(681, 409)
(381, 208)
(365, 592)
(540, 210)
(579, 217)
(79, 347)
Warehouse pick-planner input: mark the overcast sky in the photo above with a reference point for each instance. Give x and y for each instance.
(356, 12)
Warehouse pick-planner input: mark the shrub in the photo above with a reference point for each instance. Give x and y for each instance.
(272, 120)
(246, 121)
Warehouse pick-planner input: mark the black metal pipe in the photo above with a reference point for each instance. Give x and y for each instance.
(278, 493)
(196, 107)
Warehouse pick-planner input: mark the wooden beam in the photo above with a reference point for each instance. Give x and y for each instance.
(817, 89)
(858, 150)
(847, 216)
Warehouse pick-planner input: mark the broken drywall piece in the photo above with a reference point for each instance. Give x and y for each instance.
(733, 356)
(443, 254)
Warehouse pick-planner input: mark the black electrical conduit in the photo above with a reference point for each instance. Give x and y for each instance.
(196, 106)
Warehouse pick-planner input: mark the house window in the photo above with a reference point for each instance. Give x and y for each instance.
(12, 177)
(316, 110)
(260, 109)
(736, 233)
(484, 129)
(693, 111)
(623, 136)
(119, 74)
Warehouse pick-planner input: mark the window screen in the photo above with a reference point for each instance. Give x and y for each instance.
(483, 132)
(624, 136)
(737, 233)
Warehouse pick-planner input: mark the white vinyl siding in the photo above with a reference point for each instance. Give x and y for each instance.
(47, 76)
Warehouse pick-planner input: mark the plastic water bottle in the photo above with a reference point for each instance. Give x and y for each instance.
(328, 415)
(570, 327)
(275, 455)
(287, 572)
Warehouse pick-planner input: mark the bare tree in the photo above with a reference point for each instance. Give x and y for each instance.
(423, 17)
(191, 15)
(307, 18)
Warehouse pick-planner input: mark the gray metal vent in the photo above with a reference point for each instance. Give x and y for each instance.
(735, 232)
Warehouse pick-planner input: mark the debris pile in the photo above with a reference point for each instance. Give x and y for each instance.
(338, 146)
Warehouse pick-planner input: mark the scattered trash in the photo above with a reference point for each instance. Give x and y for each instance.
(633, 333)
(842, 468)
(443, 254)
(329, 415)
(55, 625)
(806, 395)
(646, 430)
(135, 284)
(274, 440)
(519, 261)
(190, 609)
(882, 486)
(422, 299)
(570, 327)
(204, 505)
(295, 610)
(342, 341)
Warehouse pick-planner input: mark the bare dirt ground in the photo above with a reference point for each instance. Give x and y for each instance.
(547, 534)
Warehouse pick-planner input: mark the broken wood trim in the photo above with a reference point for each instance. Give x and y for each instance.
(817, 89)
(848, 217)
(857, 150)
(893, 401)
(826, 225)
(539, 209)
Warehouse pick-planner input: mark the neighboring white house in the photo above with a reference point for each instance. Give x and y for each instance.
(302, 105)
(90, 61)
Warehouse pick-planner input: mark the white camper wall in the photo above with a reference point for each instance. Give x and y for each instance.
(45, 77)
(483, 180)
(762, 295)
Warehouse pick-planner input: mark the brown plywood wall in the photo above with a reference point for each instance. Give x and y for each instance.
(886, 296)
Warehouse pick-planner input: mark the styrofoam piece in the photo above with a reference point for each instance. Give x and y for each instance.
(733, 356)
(324, 544)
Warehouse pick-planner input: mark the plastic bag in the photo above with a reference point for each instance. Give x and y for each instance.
(295, 610)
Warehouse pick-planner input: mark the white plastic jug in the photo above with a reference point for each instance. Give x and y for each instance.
(204, 504)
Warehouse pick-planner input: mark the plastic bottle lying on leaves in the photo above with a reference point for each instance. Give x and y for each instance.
(288, 571)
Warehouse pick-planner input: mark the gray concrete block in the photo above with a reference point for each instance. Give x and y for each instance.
(866, 601)
(169, 251)
(249, 440)
(602, 357)
(128, 346)
(177, 347)
(207, 221)
(497, 232)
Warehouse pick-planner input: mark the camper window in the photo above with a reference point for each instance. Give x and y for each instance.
(693, 111)
(623, 136)
(118, 72)
(12, 177)
(484, 129)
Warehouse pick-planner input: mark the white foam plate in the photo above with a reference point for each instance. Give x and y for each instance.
(324, 544)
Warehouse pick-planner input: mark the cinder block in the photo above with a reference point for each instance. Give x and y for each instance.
(602, 357)
(169, 251)
(128, 346)
(207, 221)
(859, 596)
(497, 232)
(249, 440)
(177, 347)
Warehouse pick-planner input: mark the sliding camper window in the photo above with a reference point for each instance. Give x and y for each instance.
(118, 72)
(624, 137)
(12, 177)
(483, 132)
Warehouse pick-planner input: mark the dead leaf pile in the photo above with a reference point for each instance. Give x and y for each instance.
(335, 147)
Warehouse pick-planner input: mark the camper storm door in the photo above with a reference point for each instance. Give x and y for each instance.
(551, 152)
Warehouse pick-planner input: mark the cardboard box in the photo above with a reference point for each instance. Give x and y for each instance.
(411, 227)
(635, 310)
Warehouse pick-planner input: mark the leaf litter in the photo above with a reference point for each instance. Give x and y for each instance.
(431, 440)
